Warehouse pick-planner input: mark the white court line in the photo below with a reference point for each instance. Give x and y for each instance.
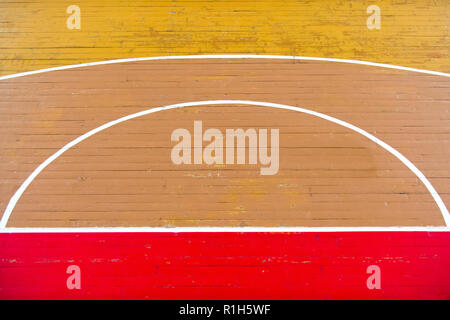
(15, 198)
(225, 56)
(224, 229)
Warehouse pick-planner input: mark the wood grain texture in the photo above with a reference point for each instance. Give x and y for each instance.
(33, 34)
(414, 265)
(329, 175)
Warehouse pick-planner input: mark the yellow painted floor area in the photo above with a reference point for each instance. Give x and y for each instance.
(34, 34)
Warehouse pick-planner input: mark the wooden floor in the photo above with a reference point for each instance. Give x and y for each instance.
(329, 175)
(271, 266)
(34, 34)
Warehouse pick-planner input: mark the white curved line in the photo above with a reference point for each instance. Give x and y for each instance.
(15, 198)
(226, 56)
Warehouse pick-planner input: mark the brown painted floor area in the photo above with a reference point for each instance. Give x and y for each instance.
(329, 175)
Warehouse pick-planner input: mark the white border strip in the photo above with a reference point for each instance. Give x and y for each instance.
(15, 198)
(224, 229)
(225, 56)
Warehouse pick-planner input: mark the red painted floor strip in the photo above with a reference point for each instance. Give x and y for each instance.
(413, 265)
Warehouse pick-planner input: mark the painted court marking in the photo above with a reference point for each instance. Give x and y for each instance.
(23, 187)
(221, 229)
(15, 198)
(226, 56)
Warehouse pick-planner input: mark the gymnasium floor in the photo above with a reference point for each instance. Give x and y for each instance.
(87, 180)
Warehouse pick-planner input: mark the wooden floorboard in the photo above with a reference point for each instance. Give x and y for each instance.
(322, 165)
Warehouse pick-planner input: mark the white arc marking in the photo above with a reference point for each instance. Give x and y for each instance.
(13, 201)
(225, 56)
